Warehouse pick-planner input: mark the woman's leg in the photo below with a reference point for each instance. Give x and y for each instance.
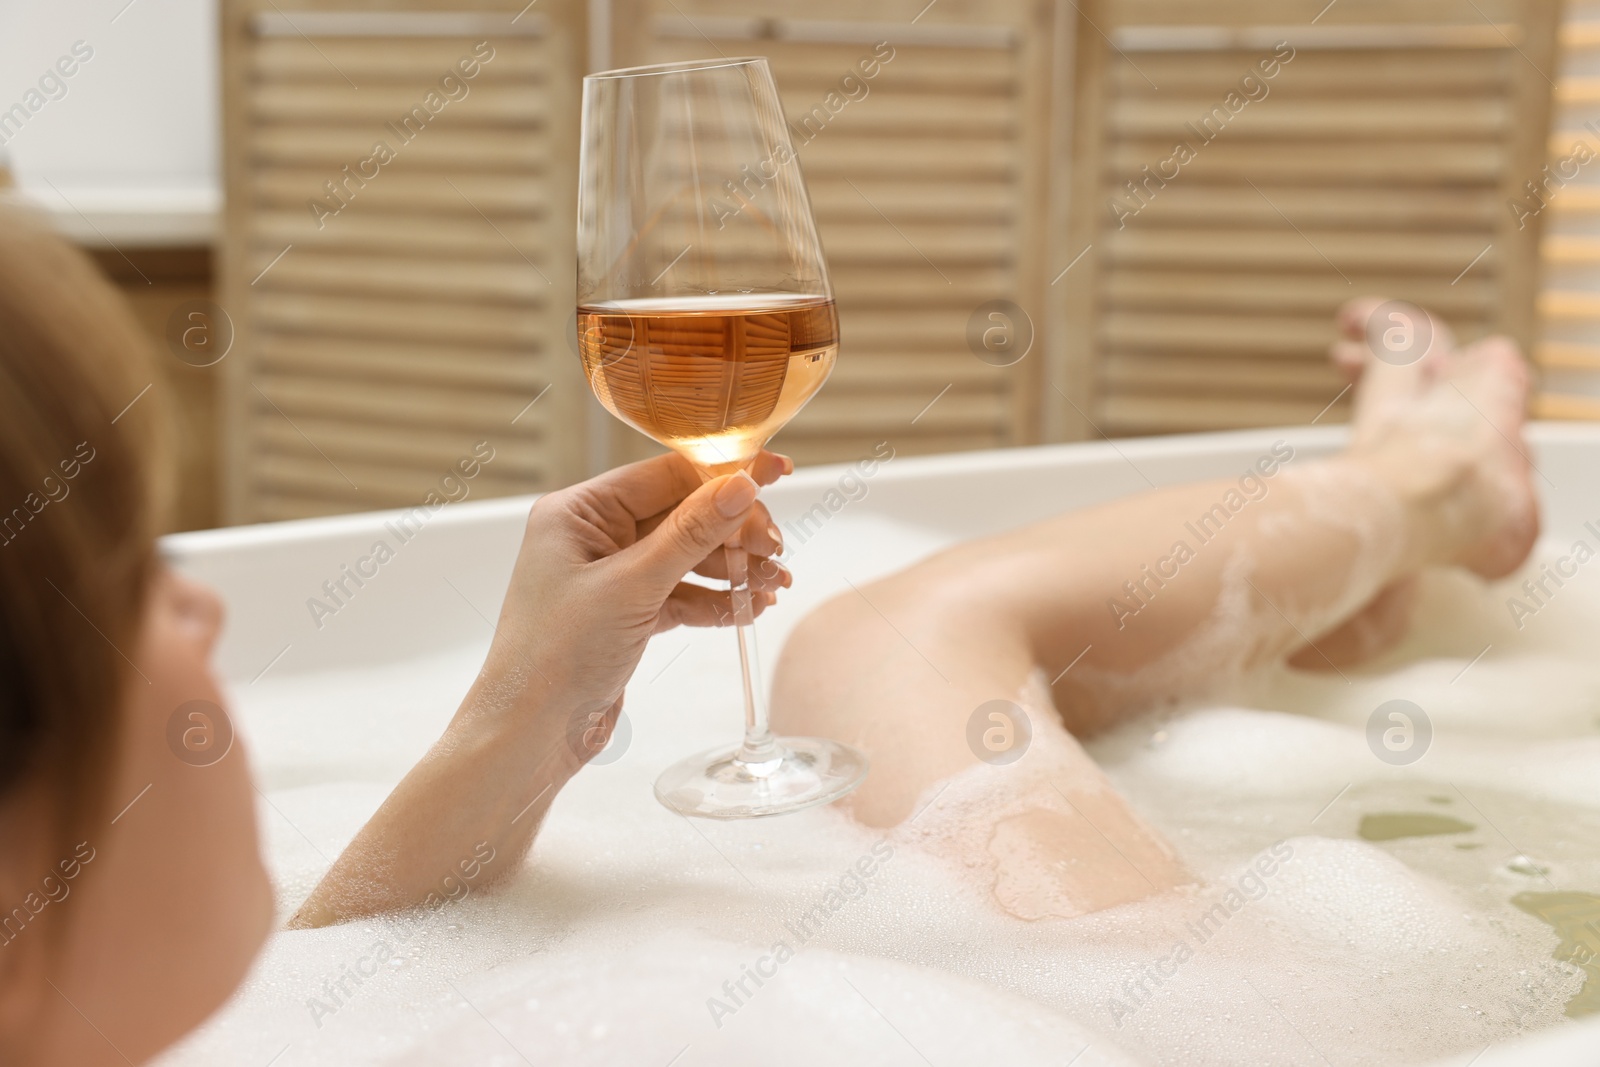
(1167, 594)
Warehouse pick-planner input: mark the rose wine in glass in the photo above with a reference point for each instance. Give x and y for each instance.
(706, 321)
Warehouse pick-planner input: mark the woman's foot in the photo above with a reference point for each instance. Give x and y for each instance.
(1449, 439)
(1446, 426)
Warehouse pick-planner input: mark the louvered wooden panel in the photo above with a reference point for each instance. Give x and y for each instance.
(1379, 161)
(1569, 303)
(374, 350)
(930, 195)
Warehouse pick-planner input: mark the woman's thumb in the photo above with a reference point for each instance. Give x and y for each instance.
(693, 530)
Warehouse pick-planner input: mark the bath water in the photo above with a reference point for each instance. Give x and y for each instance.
(1347, 910)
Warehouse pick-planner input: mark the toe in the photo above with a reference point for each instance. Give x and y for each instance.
(1349, 359)
(1353, 315)
(1350, 353)
(1391, 331)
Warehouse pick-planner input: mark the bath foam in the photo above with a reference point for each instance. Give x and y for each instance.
(1561, 771)
(340, 731)
(819, 1007)
(1242, 751)
(1499, 680)
(1400, 951)
(1340, 932)
(1464, 617)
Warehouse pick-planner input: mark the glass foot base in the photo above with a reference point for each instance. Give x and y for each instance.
(803, 772)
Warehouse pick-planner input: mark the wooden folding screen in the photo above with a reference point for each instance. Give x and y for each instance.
(398, 249)
(930, 182)
(1330, 150)
(1025, 151)
(1567, 198)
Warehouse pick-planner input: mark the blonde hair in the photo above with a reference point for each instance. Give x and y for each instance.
(82, 498)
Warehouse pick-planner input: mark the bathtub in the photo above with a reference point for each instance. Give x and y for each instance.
(604, 947)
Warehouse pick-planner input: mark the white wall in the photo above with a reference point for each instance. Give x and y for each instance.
(138, 123)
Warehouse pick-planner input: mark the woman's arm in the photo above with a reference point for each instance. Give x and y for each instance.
(601, 569)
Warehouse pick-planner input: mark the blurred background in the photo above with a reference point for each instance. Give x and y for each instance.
(1048, 220)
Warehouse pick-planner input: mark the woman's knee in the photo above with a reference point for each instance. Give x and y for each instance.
(916, 606)
(892, 632)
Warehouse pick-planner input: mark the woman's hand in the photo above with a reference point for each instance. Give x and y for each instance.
(601, 569)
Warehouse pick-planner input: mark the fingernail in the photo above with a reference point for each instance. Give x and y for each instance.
(736, 495)
(788, 464)
(777, 539)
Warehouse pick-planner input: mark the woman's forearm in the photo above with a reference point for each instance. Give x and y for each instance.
(602, 568)
(465, 816)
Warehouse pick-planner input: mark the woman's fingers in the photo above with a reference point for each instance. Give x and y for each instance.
(694, 529)
(764, 573)
(695, 605)
(724, 509)
(759, 535)
(651, 486)
(761, 540)
(768, 467)
(769, 576)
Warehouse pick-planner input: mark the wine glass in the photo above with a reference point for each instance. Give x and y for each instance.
(706, 321)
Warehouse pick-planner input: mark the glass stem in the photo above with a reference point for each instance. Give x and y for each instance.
(758, 746)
